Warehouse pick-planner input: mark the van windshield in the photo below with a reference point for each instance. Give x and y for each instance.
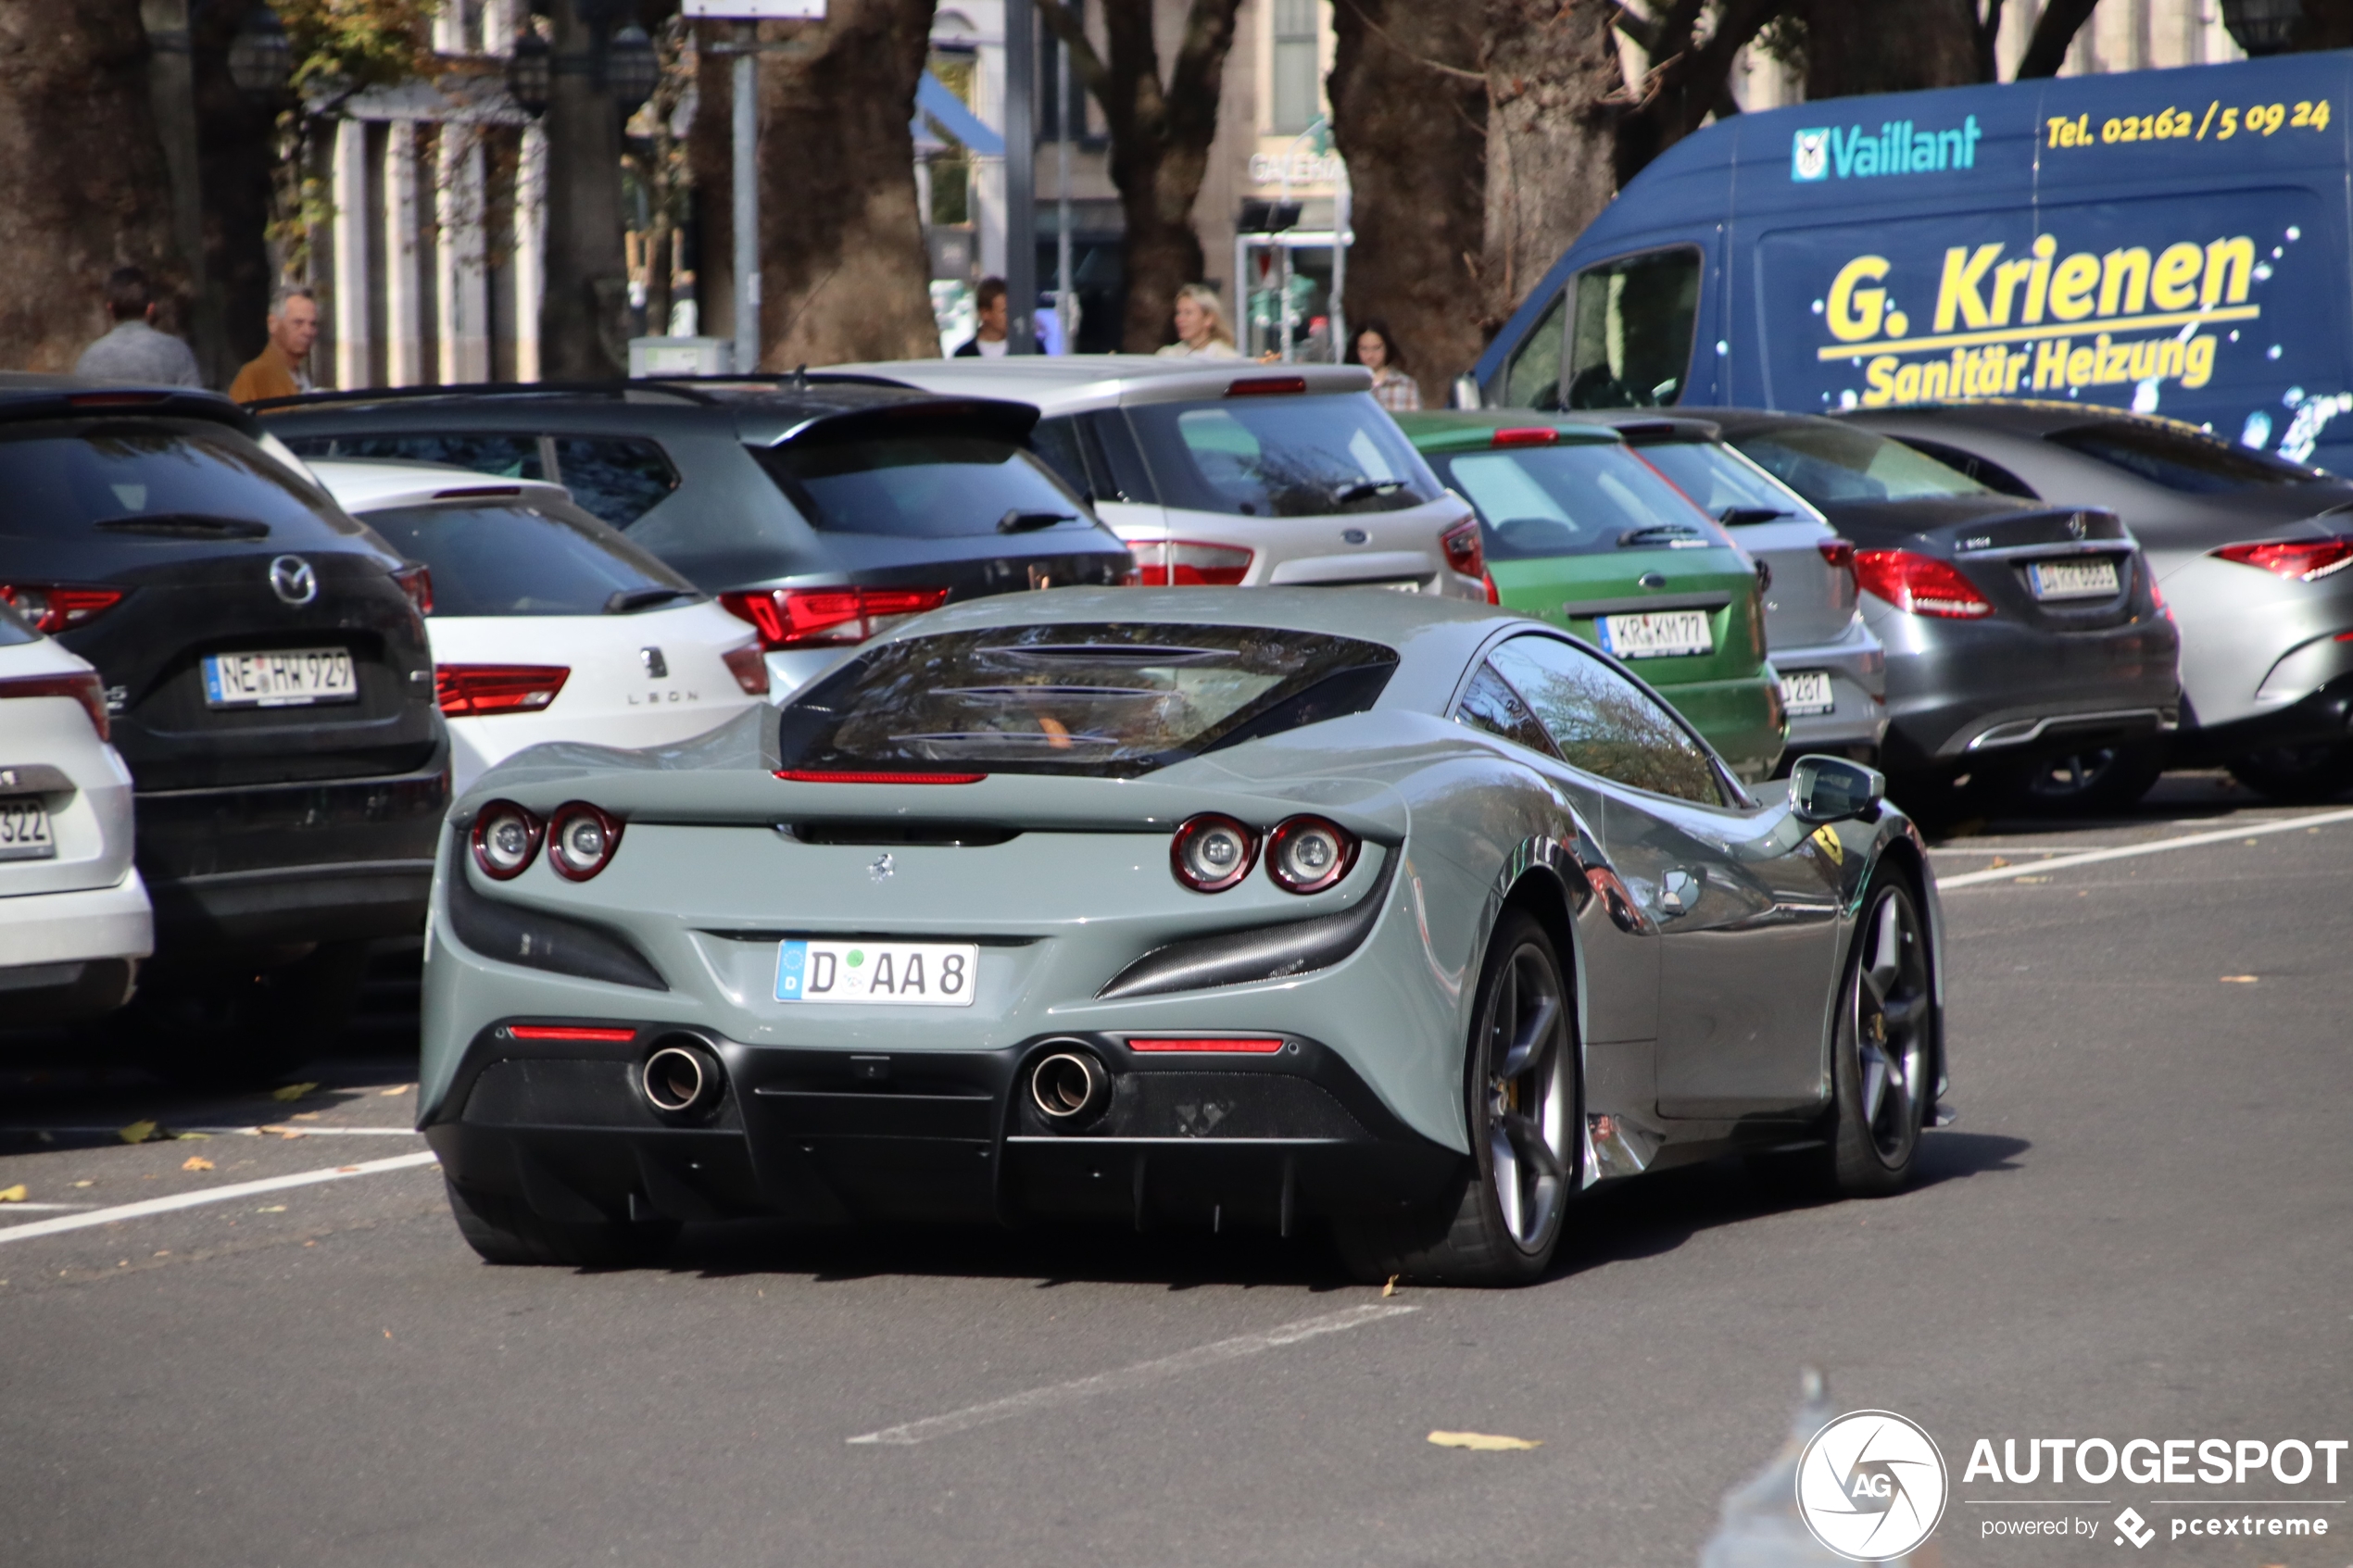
(1574, 500)
(1827, 463)
(1284, 456)
(1112, 700)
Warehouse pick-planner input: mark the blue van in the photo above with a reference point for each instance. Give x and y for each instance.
(2170, 240)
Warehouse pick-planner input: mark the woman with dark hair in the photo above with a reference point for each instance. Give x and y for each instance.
(1377, 352)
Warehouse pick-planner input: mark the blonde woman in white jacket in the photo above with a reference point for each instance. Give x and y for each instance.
(1201, 332)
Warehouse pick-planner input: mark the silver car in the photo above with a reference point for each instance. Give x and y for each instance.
(1228, 473)
(2251, 553)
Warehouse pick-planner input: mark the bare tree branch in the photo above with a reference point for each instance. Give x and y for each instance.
(1423, 60)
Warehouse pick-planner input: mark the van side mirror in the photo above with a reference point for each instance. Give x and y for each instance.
(1832, 789)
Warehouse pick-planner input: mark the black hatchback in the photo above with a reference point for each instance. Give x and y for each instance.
(270, 690)
(820, 509)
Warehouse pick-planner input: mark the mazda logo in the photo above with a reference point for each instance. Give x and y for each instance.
(292, 578)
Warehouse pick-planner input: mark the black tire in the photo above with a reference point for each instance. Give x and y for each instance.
(242, 1027)
(1883, 1047)
(508, 1231)
(2298, 775)
(1939, 800)
(1523, 1109)
(2093, 782)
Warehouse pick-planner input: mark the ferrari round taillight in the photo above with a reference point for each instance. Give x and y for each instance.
(1213, 852)
(505, 838)
(581, 840)
(1308, 854)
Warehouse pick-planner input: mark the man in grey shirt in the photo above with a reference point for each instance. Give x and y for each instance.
(135, 351)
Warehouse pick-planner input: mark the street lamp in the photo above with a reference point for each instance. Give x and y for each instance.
(2262, 27)
(260, 57)
(631, 70)
(531, 72)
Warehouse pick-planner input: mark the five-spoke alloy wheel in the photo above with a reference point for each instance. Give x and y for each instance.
(1884, 1056)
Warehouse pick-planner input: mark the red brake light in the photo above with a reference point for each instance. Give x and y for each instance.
(1920, 585)
(1234, 1045)
(1266, 386)
(570, 1032)
(1309, 854)
(581, 840)
(2305, 559)
(505, 839)
(1181, 563)
(1212, 852)
(1489, 580)
(1465, 552)
(417, 583)
(471, 690)
(826, 775)
(825, 618)
(84, 689)
(750, 668)
(54, 607)
(1839, 553)
(1524, 436)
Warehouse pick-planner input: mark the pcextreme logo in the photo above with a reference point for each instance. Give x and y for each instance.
(1870, 1486)
(1898, 147)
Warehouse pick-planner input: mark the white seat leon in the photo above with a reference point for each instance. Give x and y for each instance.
(1227, 471)
(545, 624)
(74, 921)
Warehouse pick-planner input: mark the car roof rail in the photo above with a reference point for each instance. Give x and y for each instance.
(687, 389)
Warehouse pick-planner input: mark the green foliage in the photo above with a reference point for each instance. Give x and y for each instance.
(344, 46)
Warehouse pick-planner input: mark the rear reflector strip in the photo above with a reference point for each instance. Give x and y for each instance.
(1268, 386)
(813, 775)
(1228, 1045)
(1524, 436)
(570, 1032)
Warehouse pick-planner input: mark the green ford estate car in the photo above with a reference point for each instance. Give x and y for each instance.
(1580, 531)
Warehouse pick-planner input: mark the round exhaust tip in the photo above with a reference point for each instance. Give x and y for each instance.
(1069, 1086)
(681, 1077)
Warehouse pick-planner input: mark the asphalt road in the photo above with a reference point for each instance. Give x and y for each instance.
(2139, 1227)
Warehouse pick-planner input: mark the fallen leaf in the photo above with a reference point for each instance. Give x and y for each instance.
(306, 1116)
(2030, 879)
(1390, 1288)
(273, 1209)
(292, 1092)
(2239, 980)
(396, 1089)
(1997, 862)
(16, 1193)
(138, 1132)
(1483, 1442)
(191, 1137)
(196, 1163)
(387, 1334)
(85, 1184)
(347, 1170)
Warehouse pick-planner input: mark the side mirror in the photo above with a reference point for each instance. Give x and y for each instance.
(1832, 789)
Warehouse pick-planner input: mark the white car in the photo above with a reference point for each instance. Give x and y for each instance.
(547, 624)
(74, 921)
(1227, 471)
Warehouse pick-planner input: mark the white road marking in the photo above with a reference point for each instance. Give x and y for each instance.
(1126, 1378)
(2189, 841)
(211, 1195)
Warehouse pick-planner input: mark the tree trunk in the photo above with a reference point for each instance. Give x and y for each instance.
(237, 149)
(582, 315)
(1856, 46)
(84, 170)
(844, 274)
(1409, 114)
(1552, 76)
(1160, 137)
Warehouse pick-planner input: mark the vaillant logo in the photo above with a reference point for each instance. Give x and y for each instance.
(1898, 146)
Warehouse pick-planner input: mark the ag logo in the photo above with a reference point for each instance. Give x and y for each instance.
(1870, 1486)
(1809, 155)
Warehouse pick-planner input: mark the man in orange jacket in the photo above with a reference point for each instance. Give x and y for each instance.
(277, 370)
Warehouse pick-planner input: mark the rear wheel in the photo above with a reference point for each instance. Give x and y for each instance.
(506, 1230)
(2298, 775)
(1505, 1222)
(1883, 1052)
(2108, 779)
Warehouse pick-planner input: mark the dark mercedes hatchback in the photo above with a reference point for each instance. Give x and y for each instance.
(822, 509)
(265, 662)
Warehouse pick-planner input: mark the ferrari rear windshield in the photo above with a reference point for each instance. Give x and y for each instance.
(1112, 700)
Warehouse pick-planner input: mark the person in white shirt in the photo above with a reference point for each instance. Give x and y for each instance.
(1201, 332)
(988, 340)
